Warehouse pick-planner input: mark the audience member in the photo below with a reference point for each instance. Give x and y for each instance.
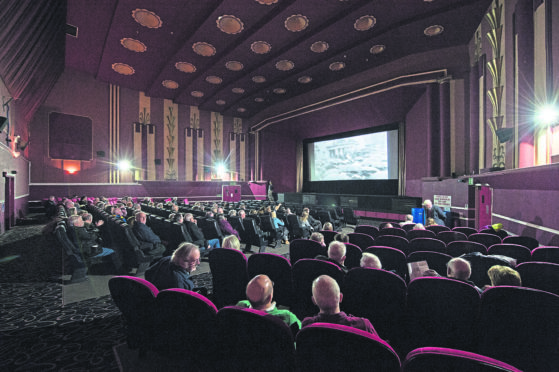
(86, 242)
(316, 225)
(305, 225)
(318, 237)
(279, 225)
(430, 222)
(174, 271)
(151, 242)
(434, 212)
(260, 294)
(226, 227)
(326, 295)
(457, 268)
(408, 220)
(387, 225)
(232, 242)
(197, 235)
(419, 226)
(341, 237)
(336, 255)
(328, 226)
(50, 207)
(370, 260)
(503, 275)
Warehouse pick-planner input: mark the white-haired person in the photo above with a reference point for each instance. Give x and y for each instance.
(370, 260)
(336, 255)
(231, 242)
(433, 211)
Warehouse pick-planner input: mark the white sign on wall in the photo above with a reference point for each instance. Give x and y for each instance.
(443, 201)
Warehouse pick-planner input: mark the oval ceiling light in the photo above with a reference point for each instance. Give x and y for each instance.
(319, 46)
(234, 65)
(364, 23)
(170, 84)
(238, 90)
(266, 2)
(433, 30)
(296, 23)
(259, 99)
(123, 68)
(230, 24)
(377, 49)
(279, 91)
(214, 80)
(304, 79)
(203, 49)
(259, 79)
(220, 102)
(260, 47)
(241, 109)
(197, 94)
(185, 67)
(147, 18)
(337, 66)
(285, 65)
(133, 45)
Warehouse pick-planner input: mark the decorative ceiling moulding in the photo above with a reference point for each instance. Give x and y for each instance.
(266, 2)
(204, 49)
(280, 91)
(320, 46)
(170, 84)
(336, 66)
(377, 49)
(364, 23)
(220, 102)
(234, 65)
(304, 79)
(296, 23)
(259, 79)
(259, 99)
(197, 94)
(260, 47)
(433, 30)
(214, 80)
(123, 68)
(495, 67)
(185, 67)
(238, 90)
(285, 65)
(422, 78)
(147, 18)
(241, 109)
(133, 45)
(230, 24)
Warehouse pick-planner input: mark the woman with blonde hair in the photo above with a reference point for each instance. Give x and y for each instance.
(231, 242)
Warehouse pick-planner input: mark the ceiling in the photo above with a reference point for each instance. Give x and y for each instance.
(239, 57)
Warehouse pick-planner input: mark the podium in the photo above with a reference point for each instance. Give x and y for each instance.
(418, 215)
(231, 193)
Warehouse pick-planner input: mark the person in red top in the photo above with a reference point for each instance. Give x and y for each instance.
(326, 295)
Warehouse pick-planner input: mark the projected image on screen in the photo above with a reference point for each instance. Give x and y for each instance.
(370, 156)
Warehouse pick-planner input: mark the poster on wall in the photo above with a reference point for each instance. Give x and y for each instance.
(443, 201)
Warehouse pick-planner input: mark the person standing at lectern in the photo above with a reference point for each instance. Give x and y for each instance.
(432, 211)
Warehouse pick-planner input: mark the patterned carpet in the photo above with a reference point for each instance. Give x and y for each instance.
(37, 331)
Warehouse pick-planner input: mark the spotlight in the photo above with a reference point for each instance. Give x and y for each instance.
(220, 169)
(124, 165)
(548, 115)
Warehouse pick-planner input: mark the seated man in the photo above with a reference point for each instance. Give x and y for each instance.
(85, 241)
(198, 236)
(326, 295)
(174, 271)
(318, 237)
(336, 255)
(260, 293)
(370, 260)
(408, 220)
(316, 224)
(151, 243)
(50, 206)
(457, 268)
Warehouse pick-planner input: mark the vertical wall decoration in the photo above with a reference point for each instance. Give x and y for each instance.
(237, 148)
(171, 138)
(495, 94)
(194, 147)
(114, 125)
(216, 137)
(144, 142)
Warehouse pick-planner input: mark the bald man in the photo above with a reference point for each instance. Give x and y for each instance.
(459, 269)
(260, 294)
(327, 296)
(336, 255)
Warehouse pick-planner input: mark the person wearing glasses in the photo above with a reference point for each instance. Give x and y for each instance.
(174, 271)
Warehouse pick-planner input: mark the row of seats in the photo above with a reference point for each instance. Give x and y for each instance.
(508, 326)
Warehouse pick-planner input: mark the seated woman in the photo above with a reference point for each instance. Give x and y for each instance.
(231, 242)
(503, 275)
(226, 227)
(305, 225)
(328, 226)
(279, 225)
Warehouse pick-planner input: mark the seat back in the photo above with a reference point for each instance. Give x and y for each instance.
(465, 229)
(182, 312)
(516, 251)
(363, 241)
(393, 241)
(350, 217)
(460, 247)
(527, 241)
(294, 227)
(546, 254)
(328, 236)
(441, 312)
(319, 345)
(414, 234)
(445, 359)
(305, 248)
(520, 326)
(135, 298)
(211, 230)
(426, 244)
(489, 230)
(540, 275)
(353, 256)
(251, 339)
(278, 270)
(436, 260)
(367, 229)
(391, 259)
(451, 236)
(437, 228)
(486, 239)
(254, 235)
(379, 296)
(304, 272)
(392, 231)
(229, 276)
